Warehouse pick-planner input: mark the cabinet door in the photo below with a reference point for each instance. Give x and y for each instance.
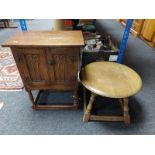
(63, 64)
(32, 66)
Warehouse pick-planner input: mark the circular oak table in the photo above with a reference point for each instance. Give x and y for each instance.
(112, 80)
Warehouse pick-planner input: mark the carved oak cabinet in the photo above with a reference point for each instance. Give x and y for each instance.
(48, 60)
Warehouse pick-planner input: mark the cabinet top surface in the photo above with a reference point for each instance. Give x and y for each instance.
(46, 38)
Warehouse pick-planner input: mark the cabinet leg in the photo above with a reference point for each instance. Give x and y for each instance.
(126, 111)
(31, 99)
(88, 108)
(75, 100)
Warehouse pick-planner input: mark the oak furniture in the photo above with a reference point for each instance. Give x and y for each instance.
(142, 28)
(109, 79)
(148, 32)
(136, 26)
(48, 60)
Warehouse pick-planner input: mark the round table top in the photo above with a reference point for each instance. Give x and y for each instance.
(110, 79)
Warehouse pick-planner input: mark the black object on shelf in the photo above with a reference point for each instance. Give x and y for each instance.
(98, 48)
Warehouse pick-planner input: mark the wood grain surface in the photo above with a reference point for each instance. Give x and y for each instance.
(110, 79)
(46, 38)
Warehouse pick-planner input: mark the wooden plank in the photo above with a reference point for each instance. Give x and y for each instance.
(53, 107)
(106, 118)
(46, 38)
(126, 111)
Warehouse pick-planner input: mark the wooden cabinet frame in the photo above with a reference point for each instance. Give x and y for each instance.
(53, 68)
(48, 60)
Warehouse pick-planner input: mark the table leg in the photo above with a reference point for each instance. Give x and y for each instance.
(89, 107)
(126, 111)
(121, 103)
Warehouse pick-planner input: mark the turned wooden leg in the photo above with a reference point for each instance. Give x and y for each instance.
(88, 108)
(121, 103)
(84, 100)
(31, 99)
(126, 111)
(75, 100)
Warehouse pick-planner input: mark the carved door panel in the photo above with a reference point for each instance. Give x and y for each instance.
(63, 65)
(32, 66)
